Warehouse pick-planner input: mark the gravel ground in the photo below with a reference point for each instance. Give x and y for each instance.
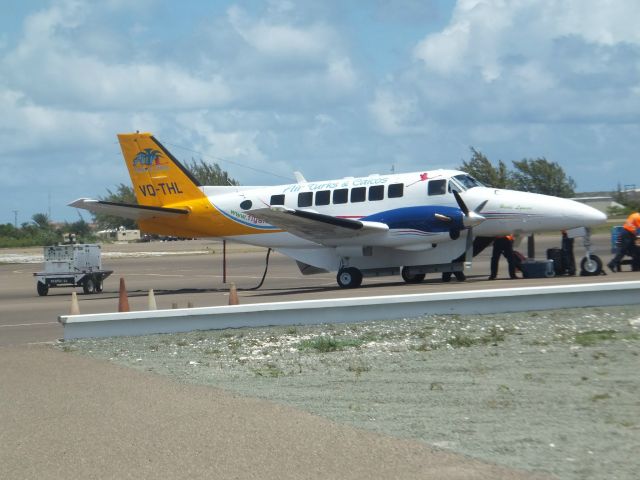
(555, 391)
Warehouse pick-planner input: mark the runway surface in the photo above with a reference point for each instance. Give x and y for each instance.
(187, 275)
(75, 416)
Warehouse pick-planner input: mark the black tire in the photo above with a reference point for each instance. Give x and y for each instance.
(99, 284)
(42, 288)
(89, 286)
(591, 265)
(409, 278)
(349, 277)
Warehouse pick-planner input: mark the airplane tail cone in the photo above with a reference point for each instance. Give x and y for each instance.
(152, 301)
(233, 295)
(75, 306)
(123, 300)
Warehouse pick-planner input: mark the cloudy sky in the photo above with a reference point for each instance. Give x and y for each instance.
(331, 88)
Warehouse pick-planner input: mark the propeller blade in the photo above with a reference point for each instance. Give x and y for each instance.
(444, 218)
(468, 254)
(461, 204)
(479, 208)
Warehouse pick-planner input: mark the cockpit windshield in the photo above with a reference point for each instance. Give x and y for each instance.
(466, 182)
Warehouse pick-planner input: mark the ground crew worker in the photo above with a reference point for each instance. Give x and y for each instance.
(503, 246)
(568, 259)
(626, 243)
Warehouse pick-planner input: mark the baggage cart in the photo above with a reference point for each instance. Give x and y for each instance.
(72, 266)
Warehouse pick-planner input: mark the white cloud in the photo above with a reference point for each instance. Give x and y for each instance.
(531, 60)
(51, 66)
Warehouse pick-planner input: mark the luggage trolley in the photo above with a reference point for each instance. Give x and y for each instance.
(72, 266)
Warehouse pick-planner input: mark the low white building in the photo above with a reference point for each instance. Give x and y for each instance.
(120, 235)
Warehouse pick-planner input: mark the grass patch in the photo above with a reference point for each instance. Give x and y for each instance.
(593, 337)
(269, 370)
(358, 366)
(461, 341)
(493, 336)
(324, 344)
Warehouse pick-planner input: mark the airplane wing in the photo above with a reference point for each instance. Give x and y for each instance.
(127, 210)
(316, 226)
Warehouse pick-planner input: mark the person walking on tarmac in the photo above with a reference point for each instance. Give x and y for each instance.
(626, 243)
(503, 246)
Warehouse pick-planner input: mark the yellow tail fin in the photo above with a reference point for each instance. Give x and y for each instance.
(158, 178)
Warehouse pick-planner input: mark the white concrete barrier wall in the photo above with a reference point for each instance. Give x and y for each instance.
(350, 310)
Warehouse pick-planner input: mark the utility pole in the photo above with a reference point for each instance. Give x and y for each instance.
(15, 219)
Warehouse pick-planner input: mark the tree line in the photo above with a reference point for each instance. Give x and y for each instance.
(537, 175)
(41, 231)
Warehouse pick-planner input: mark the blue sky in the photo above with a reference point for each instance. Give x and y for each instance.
(332, 88)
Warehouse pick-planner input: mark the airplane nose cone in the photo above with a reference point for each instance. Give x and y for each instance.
(589, 215)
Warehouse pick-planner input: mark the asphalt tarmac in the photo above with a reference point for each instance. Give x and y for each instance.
(69, 416)
(190, 273)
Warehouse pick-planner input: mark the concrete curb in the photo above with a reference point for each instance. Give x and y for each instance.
(350, 310)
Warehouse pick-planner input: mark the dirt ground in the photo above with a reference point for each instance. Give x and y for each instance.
(551, 392)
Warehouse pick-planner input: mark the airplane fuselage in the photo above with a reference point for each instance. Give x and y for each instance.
(374, 225)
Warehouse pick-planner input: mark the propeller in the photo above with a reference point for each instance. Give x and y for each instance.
(470, 219)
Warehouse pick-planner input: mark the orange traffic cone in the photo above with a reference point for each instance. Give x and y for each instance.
(75, 307)
(123, 301)
(152, 300)
(233, 295)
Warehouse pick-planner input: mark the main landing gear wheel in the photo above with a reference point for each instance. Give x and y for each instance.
(412, 278)
(349, 277)
(591, 265)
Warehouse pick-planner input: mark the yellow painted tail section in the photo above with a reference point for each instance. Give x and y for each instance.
(159, 180)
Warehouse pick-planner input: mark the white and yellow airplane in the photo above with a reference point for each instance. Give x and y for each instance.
(408, 224)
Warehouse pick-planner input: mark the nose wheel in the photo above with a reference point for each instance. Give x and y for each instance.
(349, 277)
(591, 265)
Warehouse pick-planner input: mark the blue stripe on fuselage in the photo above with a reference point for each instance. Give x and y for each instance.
(420, 218)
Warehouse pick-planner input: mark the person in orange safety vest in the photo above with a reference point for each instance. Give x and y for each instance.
(627, 244)
(503, 246)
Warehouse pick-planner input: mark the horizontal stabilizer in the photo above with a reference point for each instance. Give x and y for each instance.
(127, 210)
(317, 227)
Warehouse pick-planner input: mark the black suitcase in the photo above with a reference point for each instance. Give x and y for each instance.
(555, 254)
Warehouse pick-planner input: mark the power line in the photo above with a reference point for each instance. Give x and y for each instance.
(231, 162)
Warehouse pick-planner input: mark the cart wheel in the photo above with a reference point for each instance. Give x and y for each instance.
(42, 288)
(89, 285)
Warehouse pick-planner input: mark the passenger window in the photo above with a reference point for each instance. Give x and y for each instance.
(358, 194)
(305, 199)
(341, 195)
(376, 193)
(322, 197)
(437, 187)
(246, 204)
(277, 199)
(395, 190)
